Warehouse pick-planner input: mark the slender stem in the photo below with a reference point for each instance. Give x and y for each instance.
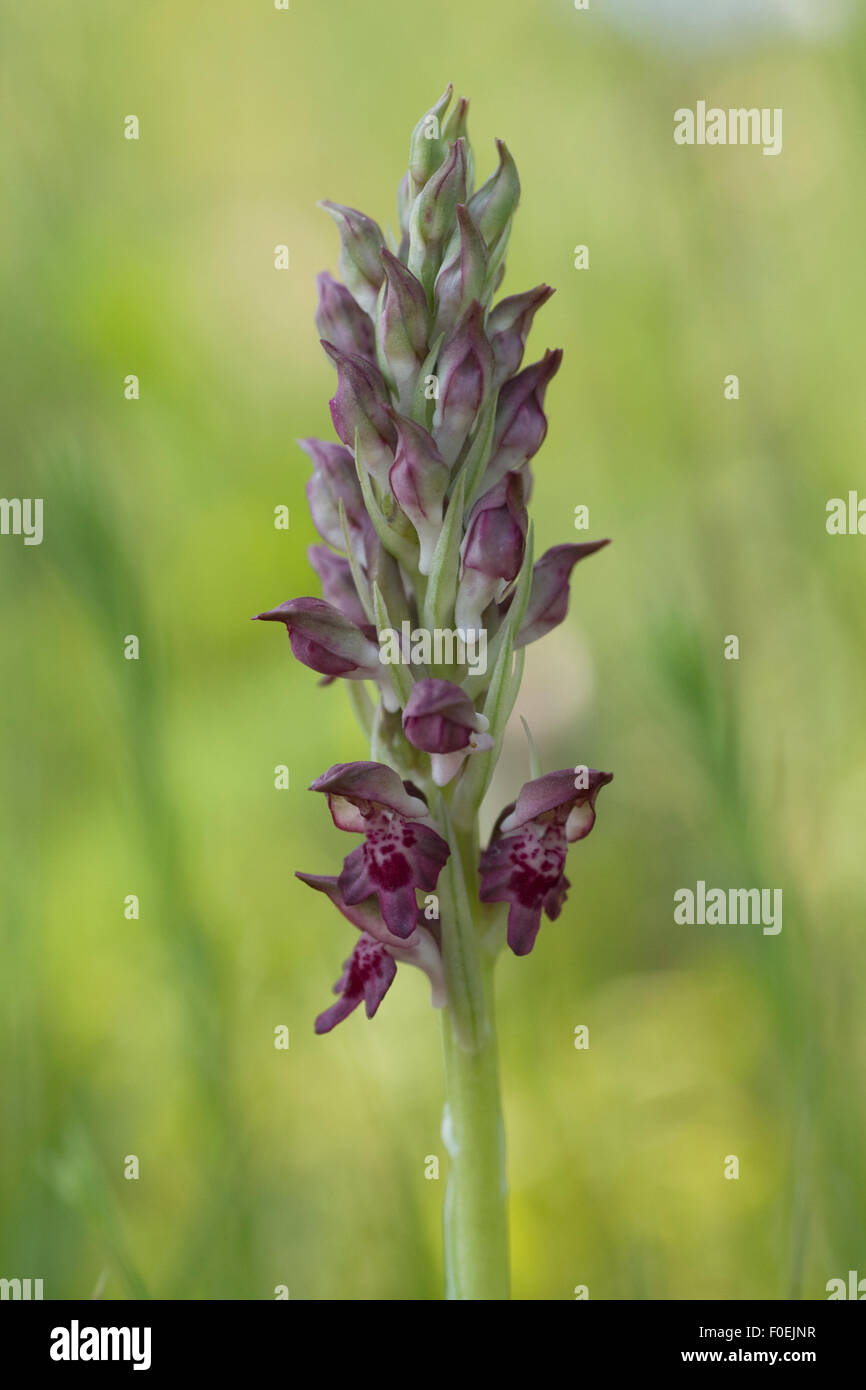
(461, 957)
(476, 1220)
(476, 1211)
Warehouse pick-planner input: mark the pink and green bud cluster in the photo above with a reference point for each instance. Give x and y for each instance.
(421, 506)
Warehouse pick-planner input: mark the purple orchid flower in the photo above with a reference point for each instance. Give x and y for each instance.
(365, 972)
(440, 719)
(401, 852)
(367, 976)
(524, 862)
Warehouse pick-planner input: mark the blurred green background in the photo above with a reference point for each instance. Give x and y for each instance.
(154, 1037)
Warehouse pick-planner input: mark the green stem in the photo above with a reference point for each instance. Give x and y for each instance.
(476, 1222)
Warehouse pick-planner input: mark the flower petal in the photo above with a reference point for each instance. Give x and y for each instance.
(370, 783)
(555, 792)
(367, 976)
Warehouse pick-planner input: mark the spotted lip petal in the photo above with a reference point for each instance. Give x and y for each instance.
(401, 852)
(367, 976)
(421, 949)
(526, 871)
(396, 858)
(524, 863)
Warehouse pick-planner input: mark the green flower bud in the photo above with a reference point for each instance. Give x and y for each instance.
(493, 206)
(434, 215)
(428, 146)
(402, 323)
(456, 128)
(361, 240)
(463, 274)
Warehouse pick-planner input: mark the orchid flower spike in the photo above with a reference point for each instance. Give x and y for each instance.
(430, 596)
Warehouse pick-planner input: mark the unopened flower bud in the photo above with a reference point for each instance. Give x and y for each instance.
(427, 144)
(521, 424)
(492, 549)
(508, 325)
(326, 640)
(440, 719)
(361, 240)
(465, 371)
(456, 127)
(434, 215)
(335, 480)
(463, 273)
(403, 322)
(341, 320)
(419, 480)
(493, 206)
(359, 408)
